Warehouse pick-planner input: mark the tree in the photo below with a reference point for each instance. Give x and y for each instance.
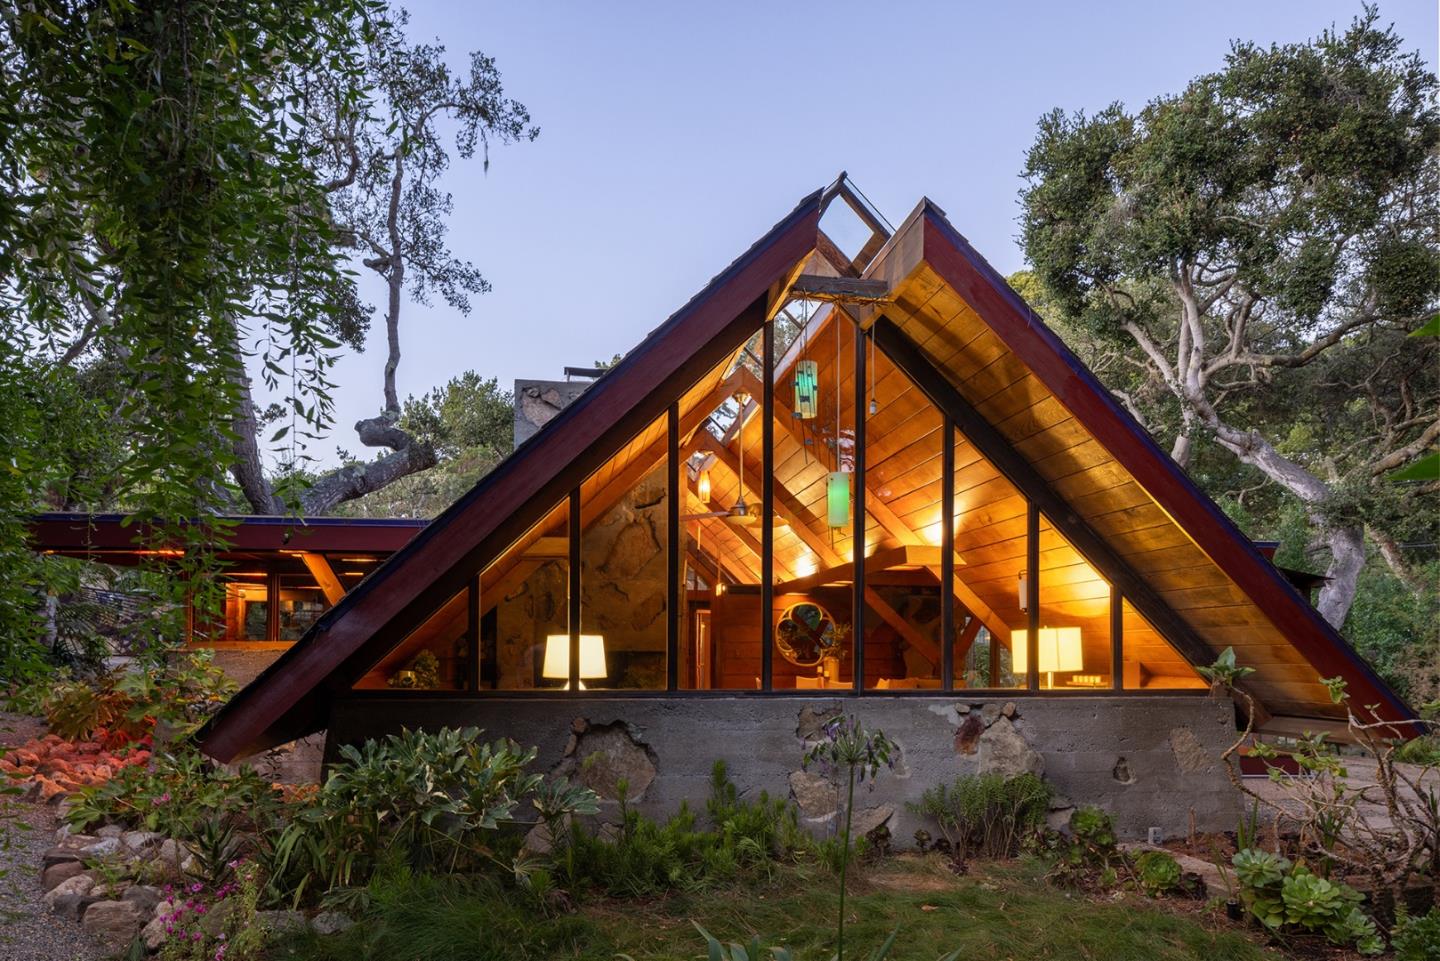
(469, 423)
(1266, 239)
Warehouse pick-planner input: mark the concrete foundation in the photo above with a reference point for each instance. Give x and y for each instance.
(1152, 761)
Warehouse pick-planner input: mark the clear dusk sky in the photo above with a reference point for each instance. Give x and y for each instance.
(673, 134)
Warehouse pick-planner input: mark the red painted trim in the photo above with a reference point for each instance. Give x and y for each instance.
(1036, 346)
(297, 681)
(77, 533)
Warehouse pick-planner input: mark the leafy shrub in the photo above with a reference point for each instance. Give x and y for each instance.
(76, 709)
(1159, 873)
(1417, 939)
(1284, 895)
(434, 799)
(180, 690)
(176, 795)
(988, 815)
(1089, 854)
(646, 857)
(1420, 750)
(192, 934)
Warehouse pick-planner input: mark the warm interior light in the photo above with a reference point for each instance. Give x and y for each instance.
(557, 657)
(807, 389)
(837, 498)
(1024, 592)
(805, 566)
(702, 486)
(1059, 650)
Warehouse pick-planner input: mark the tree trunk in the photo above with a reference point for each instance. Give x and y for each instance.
(247, 468)
(1347, 560)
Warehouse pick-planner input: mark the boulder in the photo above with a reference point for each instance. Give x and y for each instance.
(72, 907)
(56, 873)
(145, 895)
(110, 831)
(114, 923)
(212, 922)
(330, 922)
(153, 934)
(814, 795)
(141, 840)
(60, 855)
(281, 922)
(103, 848)
(868, 819)
(1003, 750)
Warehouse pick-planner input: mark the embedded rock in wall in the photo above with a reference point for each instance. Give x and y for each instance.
(600, 756)
(538, 401)
(1004, 750)
(1190, 754)
(814, 795)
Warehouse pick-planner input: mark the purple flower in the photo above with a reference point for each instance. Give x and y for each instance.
(196, 888)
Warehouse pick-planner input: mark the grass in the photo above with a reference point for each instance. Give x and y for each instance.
(1006, 912)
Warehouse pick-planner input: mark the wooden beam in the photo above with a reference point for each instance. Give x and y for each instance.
(319, 567)
(904, 628)
(966, 640)
(845, 570)
(839, 289)
(1015, 468)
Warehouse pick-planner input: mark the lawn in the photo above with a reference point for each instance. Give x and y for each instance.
(996, 912)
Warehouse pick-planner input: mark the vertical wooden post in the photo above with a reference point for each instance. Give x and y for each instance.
(947, 556)
(767, 511)
(472, 632)
(272, 607)
(574, 526)
(857, 524)
(1032, 596)
(1117, 639)
(672, 550)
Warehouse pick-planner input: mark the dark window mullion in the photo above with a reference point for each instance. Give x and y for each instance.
(1032, 597)
(1117, 639)
(674, 588)
(857, 539)
(767, 511)
(947, 556)
(574, 679)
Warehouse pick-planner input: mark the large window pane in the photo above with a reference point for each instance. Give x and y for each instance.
(624, 581)
(904, 452)
(301, 604)
(524, 602)
(1074, 632)
(1149, 662)
(814, 467)
(990, 544)
(247, 609)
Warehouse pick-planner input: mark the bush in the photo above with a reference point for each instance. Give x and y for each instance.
(1418, 939)
(987, 815)
(1283, 896)
(178, 794)
(645, 857)
(1159, 873)
(432, 799)
(1420, 750)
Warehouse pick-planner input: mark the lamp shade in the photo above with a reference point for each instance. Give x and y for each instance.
(702, 487)
(837, 498)
(807, 389)
(1060, 650)
(557, 656)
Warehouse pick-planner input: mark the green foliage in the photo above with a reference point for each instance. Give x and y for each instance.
(644, 857)
(431, 799)
(1421, 750)
(179, 794)
(1417, 939)
(193, 935)
(987, 815)
(178, 687)
(1284, 895)
(1159, 872)
(1225, 671)
(1089, 854)
(716, 950)
(75, 710)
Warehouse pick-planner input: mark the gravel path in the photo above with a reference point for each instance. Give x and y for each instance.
(28, 931)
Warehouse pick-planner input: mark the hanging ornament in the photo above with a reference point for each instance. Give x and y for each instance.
(807, 389)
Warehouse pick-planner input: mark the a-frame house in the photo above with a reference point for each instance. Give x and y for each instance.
(685, 530)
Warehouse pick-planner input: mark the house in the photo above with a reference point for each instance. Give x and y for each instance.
(875, 483)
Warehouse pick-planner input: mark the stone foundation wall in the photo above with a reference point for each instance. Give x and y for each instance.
(1152, 761)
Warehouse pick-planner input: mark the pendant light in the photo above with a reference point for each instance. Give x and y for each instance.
(740, 513)
(807, 377)
(837, 483)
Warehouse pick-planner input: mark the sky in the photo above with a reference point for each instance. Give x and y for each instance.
(673, 135)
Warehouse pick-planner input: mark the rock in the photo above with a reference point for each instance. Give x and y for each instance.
(77, 841)
(76, 887)
(145, 895)
(814, 795)
(141, 840)
(1008, 710)
(962, 709)
(153, 934)
(812, 722)
(110, 831)
(59, 855)
(1122, 772)
(103, 848)
(606, 755)
(990, 713)
(1004, 750)
(110, 892)
(281, 922)
(56, 873)
(171, 853)
(72, 907)
(868, 819)
(165, 908)
(330, 922)
(114, 923)
(1190, 754)
(213, 921)
(967, 735)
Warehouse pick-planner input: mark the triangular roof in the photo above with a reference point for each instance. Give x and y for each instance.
(969, 342)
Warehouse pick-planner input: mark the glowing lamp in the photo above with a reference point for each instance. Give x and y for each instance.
(1059, 650)
(807, 389)
(837, 498)
(702, 486)
(557, 658)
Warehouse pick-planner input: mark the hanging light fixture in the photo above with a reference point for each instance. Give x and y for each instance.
(807, 389)
(702, 486)
(740, 513)
(837, 498)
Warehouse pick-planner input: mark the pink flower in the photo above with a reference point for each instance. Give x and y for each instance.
(196, 888)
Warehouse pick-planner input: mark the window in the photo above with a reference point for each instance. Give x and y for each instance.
(1073, 638)
(524, 603)
(247, 609)
(1149, 662)
(301, 603)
